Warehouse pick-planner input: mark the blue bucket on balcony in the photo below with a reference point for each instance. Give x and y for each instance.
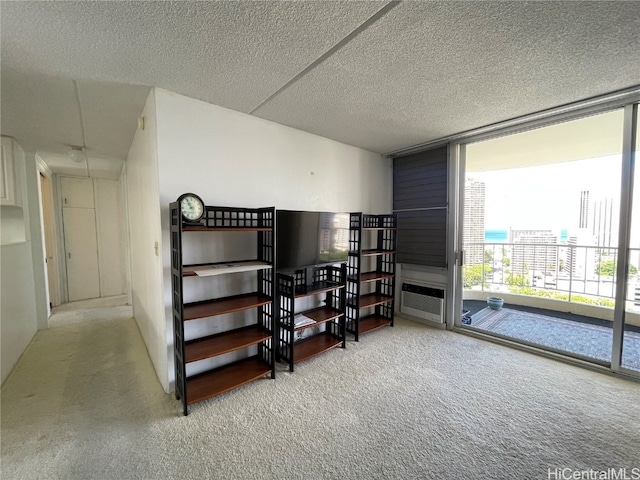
(495, 303)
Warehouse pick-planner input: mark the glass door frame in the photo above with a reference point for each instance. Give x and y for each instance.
(629, 147)
(628, 100)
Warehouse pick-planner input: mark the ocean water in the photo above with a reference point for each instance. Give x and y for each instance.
(496, 236)
(502, 236)
(564, 236)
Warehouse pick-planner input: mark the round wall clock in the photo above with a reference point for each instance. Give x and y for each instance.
(191, 207)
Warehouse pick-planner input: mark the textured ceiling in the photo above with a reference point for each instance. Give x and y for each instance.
(377, 75)
(432, 69)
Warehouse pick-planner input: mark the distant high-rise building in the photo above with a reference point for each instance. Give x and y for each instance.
(473, 232)
(581, 256)
(533, 252)
(584, 209)
(603, 223)
(596, 228)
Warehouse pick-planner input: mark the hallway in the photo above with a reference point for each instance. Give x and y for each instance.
(83, 396)
(97, 309)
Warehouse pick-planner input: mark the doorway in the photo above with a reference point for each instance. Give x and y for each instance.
(94, 240)
(49, 233)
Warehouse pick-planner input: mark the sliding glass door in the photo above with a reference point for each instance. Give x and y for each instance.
(545, 218)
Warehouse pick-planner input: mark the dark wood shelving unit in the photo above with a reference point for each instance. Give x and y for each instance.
(320, 315)
(371, 277)
(375, 251)
(260, 335)
(370, 300)
(328, 282)
(213, 345)
(312, 346)
(373, 322)
(224, 379)
(220, 268)
(221, 306)
(316, 288)
(371, 271)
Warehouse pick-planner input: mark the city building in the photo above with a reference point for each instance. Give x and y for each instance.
(474, 199)
(534, 253)
(595, 239)
(604, 227)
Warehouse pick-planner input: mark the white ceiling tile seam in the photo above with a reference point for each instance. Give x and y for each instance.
(357, 31)
(76, 91)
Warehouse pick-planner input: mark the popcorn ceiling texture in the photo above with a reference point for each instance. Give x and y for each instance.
(406, 402)
(431, 69)
(232, 54)
(422, 71)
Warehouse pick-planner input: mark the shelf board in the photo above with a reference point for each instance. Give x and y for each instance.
(312, 346)
(206, 347)
(317, 288)
(371, 277)
(374, 251)
(205, 270)
(320, 315)
(202, 228)
(372, 322)
(221, 306)
(371, 299)
(379, 228)
(224, 379)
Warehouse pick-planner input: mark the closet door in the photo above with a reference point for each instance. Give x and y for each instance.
(80, 238)
(77, 192)
(109, 215)
(81, 252)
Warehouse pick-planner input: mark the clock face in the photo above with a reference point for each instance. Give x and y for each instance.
(191, 207)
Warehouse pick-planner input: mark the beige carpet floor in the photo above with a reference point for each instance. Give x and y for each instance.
(407, 402)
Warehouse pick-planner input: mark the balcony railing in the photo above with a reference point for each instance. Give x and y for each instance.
(574, 273)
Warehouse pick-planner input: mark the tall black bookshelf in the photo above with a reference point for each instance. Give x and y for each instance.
(371, 271)
(243, 221)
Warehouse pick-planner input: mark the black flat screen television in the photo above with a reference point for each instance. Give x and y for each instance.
(307, 239)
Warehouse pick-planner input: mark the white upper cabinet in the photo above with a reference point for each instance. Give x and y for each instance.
(77, 192)
(10, 153)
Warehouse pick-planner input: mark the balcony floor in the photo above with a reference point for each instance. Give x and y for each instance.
(567, 332)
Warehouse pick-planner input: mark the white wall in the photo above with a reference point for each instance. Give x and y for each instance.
(22, 282)
(17, 309)
(144, 231)
(233, 159)
(33, 207)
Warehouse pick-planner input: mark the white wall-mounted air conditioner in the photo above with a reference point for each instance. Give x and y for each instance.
(422, 301)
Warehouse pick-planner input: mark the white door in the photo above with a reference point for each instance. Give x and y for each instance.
(77, 192)
(81, 253)
(110, 239)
